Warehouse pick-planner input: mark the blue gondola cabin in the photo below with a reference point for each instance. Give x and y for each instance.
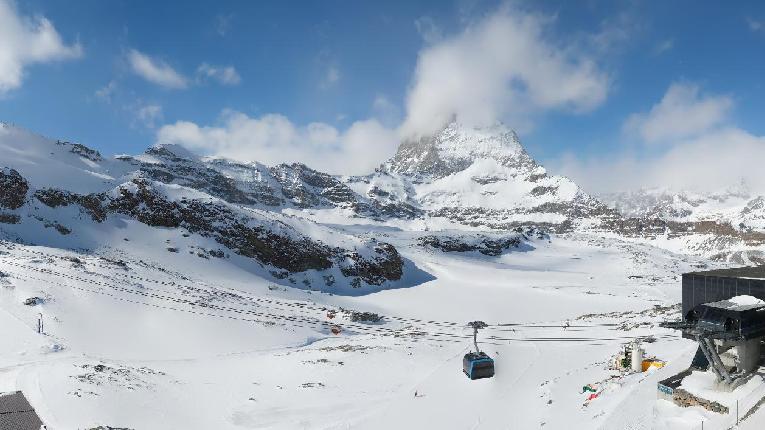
(478, 365)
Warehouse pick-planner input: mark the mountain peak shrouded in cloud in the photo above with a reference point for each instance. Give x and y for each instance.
(587, 88)
(457, 146)
(500, 67)
(25, 41)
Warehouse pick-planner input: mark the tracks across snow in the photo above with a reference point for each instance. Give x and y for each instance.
(197, 298)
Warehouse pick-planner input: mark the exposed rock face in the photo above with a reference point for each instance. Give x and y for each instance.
(492, 245)
(83, 151)
(269, 242)
(386, 264)
(13, 189)
(282, 186)
(91, 203)
(305, 187)
(9, 218)
(460, 176)
(455, 148)
(173, 165)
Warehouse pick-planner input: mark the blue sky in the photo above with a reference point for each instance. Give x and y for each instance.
(126, 74)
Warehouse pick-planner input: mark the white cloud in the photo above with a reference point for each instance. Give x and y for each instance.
(430, 31)
(386, 111)
(702, 150)
(503, 67)
(223, 24)
(615, 31)
(755, 25)
(149, 114)
(682, 112)
(664, 46)
(155, 70)
(330, 78)
(106, 92)
(711, 162)
(273, 139)
(25, 41)
(225, 75)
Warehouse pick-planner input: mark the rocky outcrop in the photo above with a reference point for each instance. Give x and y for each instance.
(92, 204)
(492, 245)
(270, 242)
(83, 151)
(6, 218)
(384, 264)
(285, 185)
(180, 167)
(455, 148)
(13, 189)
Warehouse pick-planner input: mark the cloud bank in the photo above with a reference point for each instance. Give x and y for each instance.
(681, 113)
(503, 67)
(689, 143)
(273, 139)
(25, 41)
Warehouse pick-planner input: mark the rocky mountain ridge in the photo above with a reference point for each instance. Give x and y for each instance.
(738, 205)
(464, 178)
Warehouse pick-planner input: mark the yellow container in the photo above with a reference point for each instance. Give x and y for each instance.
(647, 364)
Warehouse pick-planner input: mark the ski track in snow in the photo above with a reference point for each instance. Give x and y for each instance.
(142, 337)
(138, 316)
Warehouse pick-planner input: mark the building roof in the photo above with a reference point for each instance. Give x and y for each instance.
(750, 272)
(733, 306)
(16, 413)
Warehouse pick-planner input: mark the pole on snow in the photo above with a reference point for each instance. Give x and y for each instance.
(40, 323)
(476, 325)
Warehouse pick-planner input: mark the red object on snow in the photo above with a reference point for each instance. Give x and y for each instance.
(592, 396)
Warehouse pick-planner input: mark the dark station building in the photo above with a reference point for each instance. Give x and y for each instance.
(729, 330)
(723, 284)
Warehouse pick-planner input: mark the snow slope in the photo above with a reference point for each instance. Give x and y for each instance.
(179, 333)
(180, 292)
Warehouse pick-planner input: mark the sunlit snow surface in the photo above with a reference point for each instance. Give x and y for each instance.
(139, 337)
(192, 343)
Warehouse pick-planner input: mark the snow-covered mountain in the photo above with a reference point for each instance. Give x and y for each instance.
(727, 225)
(738, 206)
(282, 297)
(69, 196)
(460, 178)
(478, 177)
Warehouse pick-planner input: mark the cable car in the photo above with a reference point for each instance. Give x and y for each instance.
(478, 365)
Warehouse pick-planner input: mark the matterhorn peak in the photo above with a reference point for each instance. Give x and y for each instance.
(456, 147)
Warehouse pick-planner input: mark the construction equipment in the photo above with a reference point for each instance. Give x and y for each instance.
(478, 364)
